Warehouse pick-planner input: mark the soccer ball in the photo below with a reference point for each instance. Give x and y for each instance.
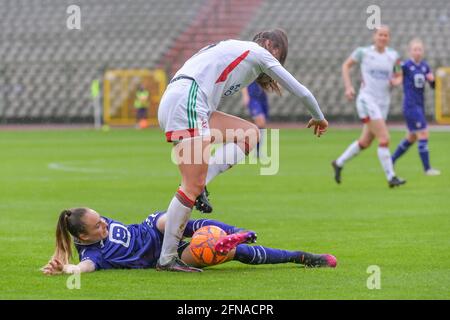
(202, 246)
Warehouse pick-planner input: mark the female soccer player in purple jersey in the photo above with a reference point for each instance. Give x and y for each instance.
(416, 73)
(188, 114)
(103, 243)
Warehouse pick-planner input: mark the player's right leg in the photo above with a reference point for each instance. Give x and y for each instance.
(181, 109)
(352, 150)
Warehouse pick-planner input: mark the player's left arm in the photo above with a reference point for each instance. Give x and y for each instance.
(397, 77)
(430, 77)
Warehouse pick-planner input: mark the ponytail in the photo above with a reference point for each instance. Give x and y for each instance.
(63, 251)
(69, 225)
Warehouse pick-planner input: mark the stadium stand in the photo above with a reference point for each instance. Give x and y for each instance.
(46, 69)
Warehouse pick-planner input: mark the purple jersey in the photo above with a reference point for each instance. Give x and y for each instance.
(258, 104)
(414, 79)
(133, 246)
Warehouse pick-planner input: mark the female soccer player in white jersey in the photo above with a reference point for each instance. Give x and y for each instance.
(189, 117)
(380, 68)
(103, 243)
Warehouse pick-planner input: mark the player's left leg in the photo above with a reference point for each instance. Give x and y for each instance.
(379, 129)
(424, 153)
(263, 255)
(404, 145)
(238, 137)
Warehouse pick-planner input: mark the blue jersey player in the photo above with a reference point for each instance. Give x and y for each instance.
(104, 243)
(255, 98)
(416, 73)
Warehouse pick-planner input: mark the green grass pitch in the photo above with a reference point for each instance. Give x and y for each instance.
(127, 174)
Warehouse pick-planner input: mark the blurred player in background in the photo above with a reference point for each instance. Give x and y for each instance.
(103, 243)
(255, 99)
(416, 73)
(189, 117)
(141, 104)
(380, 69)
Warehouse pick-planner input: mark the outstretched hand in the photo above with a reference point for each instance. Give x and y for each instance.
(320, 126)
(53, 267)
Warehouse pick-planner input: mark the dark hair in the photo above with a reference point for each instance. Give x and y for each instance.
(69, 224)
(277, 40)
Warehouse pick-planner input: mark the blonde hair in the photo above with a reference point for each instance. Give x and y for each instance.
(415, 41)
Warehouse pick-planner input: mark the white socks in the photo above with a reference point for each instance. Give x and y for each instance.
(351, 151)
(178, 215)
(386, 162)
(225, 157)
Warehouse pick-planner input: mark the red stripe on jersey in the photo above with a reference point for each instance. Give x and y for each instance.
(231, 67)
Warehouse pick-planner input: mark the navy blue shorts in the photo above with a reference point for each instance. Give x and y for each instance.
(415, 119)
(258, 108)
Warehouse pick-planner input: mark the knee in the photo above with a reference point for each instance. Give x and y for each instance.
(383, 141)
(423, 135)
(412, 138)
(364, 144)
(250, 139)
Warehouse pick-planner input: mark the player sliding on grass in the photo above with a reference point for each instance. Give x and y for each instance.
(416, 73)
(103, 243)
(380, 68)
(189, 117)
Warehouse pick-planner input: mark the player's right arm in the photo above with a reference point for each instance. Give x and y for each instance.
(346, 66)
(355, 58)
(273, 68)
(55, 267)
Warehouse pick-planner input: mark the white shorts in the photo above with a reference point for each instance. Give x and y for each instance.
(370, 108)
(183, 111)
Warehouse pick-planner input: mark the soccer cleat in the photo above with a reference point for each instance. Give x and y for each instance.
(312, 260)
(202, 202)
(228, 243)
(395, 182)
(432, 172)
(176, 265)
(337, 172)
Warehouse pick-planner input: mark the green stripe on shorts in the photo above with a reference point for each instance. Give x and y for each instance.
(192, 102)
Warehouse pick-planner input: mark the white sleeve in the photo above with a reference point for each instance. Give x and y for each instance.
(283, 77)
(265, 59)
